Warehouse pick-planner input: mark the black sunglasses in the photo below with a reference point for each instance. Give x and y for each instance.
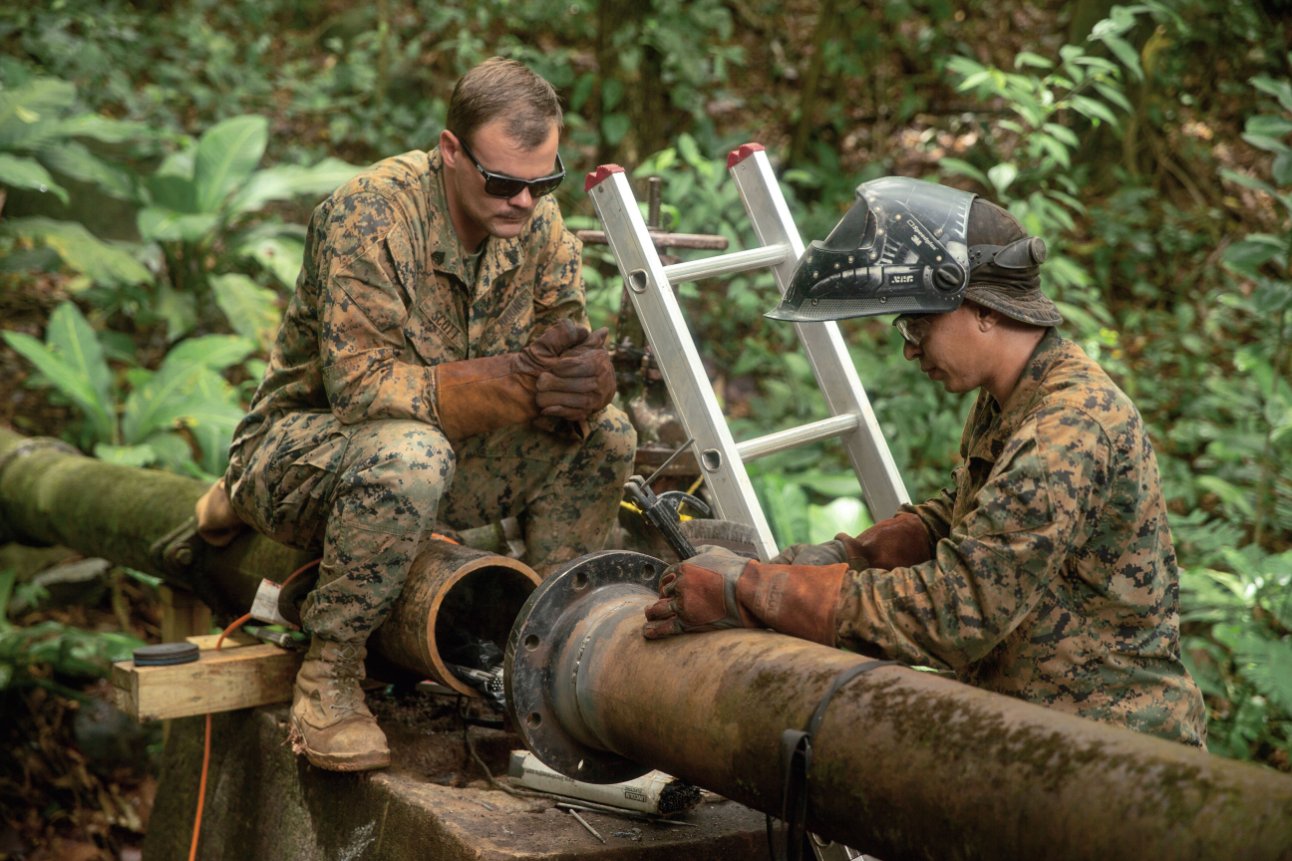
(502, 185)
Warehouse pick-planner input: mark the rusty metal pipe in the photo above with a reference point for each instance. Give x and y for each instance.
(52, 494)
(907, 764)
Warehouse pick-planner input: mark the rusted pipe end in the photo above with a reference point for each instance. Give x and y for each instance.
(562, 620)
(453, 594)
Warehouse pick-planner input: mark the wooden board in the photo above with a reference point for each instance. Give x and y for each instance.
(233, 677)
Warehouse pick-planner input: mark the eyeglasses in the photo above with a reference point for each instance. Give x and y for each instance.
(502, 185)
(914, 327)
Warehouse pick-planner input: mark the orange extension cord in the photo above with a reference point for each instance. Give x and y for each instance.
(206, 744)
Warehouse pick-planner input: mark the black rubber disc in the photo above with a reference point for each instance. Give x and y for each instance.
(165, 654)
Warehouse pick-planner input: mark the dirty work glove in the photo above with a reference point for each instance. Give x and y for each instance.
(717, 589)
(580, 382)
(899, 541)
(476, 396)
(217, 522)
(827, 553)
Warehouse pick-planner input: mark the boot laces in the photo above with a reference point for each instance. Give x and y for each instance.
(347, 676)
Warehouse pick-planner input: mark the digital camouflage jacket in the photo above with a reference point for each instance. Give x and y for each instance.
(383, 296)
(1053, 576)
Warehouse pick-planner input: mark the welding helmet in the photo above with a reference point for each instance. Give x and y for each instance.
(903, 248)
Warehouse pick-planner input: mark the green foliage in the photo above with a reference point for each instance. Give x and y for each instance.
(43, 135)
(1242, 611)
(1261, 260)
(185, 398)
(201, 208)
(67, 652)
(1033, 170)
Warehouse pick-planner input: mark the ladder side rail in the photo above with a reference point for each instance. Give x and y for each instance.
(867, 449)
(661, 318)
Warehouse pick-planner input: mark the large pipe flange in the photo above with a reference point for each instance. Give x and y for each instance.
(551, 704)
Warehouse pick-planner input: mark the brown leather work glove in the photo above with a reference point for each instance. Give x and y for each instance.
(829, 553)
(717, 589)
(217, 522)
(544, 351)
(476, 396)
(580, 382)
(899, 541)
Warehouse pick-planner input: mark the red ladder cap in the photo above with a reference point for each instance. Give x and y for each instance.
(742, 152)
(600, 175)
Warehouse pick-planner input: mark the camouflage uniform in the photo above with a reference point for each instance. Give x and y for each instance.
(1053, 578)
(342, 447)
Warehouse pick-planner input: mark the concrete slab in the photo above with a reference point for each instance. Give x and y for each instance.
(434, 803)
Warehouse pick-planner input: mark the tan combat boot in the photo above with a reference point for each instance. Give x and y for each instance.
(331, 725)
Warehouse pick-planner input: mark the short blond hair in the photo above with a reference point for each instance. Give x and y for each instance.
(499, 87)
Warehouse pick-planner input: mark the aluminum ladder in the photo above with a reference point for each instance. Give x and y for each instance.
(721, 459)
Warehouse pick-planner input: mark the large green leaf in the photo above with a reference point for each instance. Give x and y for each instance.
(252, 310)
(785, 503)
(28, 111)
(172, 187)
(279, 255)
(65, 378)
(101, 262)
(74, 160)
(178, 309)
(284, 182)
(166, 225)
(73, 363)
(102, 129)
(215, 352)
(20, 172)
(137, 456)
(69, 335)
(188, 394)
(226, 157)
(161, 402)
(212, 421)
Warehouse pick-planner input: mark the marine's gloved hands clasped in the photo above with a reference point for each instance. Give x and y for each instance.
(580, 382)
(717, 589)
(475, 396)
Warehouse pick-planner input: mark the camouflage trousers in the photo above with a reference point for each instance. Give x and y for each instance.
(368, 495)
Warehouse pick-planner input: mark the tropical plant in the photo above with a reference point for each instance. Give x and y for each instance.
(201, 208)
(43, 135)
(164, 414)
(1240, 658)
(1027, 159)
(1261, 259)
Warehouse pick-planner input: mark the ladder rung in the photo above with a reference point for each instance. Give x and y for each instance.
(726, 264)
(797, 436)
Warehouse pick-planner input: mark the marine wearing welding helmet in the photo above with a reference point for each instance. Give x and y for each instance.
(910, 247)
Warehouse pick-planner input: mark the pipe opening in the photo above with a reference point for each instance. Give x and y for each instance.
(474, 618)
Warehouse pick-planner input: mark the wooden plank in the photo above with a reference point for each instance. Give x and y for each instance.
(231, 678)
